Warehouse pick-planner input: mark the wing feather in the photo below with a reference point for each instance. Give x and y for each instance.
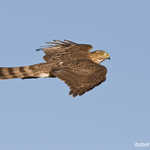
(64, 48)
(83, 79)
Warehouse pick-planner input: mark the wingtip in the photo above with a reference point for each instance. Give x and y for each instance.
(38, 49)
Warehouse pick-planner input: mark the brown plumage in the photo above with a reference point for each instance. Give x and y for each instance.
(24, 72)
(70, 62)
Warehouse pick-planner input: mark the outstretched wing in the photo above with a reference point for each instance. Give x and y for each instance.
(65, 49)
(81, 76)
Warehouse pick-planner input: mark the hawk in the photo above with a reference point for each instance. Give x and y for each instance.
(69, 61)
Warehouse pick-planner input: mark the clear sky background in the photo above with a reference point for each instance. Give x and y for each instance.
(39, 114)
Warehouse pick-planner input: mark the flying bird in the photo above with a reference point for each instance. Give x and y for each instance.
(71, 62)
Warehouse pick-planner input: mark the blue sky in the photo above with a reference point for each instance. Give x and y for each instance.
(39, 114)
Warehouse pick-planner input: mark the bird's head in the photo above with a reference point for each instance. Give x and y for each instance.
(99, 56)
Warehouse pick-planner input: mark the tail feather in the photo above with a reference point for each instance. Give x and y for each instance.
(23, 72)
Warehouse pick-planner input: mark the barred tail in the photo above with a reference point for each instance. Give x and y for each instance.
(23, 72)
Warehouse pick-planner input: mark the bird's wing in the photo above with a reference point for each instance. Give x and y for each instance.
(57, 47)
(81, 76)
